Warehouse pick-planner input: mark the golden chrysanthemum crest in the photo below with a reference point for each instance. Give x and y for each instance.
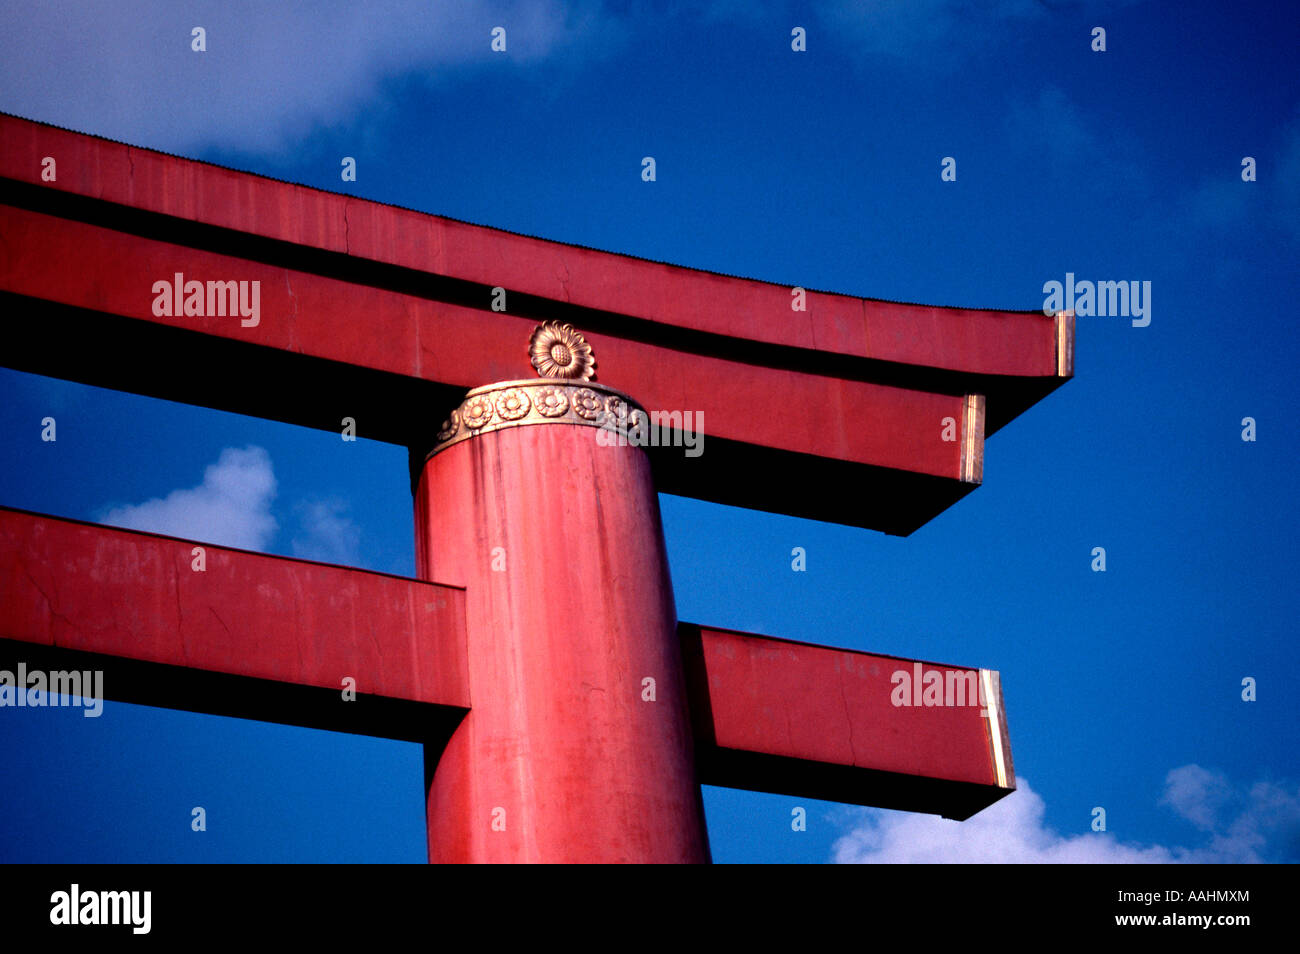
(567, 393)
(560, 351)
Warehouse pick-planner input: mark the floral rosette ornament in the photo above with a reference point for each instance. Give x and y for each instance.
(551, 401)
(559, 351)
(513, 404)
(615, 411)
(449, 427)
(587, 404)
(476, 412)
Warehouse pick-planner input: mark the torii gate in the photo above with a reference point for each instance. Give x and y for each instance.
(523, 656)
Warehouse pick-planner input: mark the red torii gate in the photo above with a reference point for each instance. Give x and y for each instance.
(521, 657)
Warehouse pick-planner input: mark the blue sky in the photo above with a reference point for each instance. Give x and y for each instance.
(819, 169)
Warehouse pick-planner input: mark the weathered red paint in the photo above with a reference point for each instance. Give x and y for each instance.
(92, 589)
(376, 311)
(767, 711)
(549, 654)
(560, 744)
(97, 268)
(975, 341)
(763, 711)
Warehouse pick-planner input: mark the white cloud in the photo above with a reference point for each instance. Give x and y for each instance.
(1265, 826)
(231, 507)
(1261, 823)
(271, 72)
(1197, 794)
(327, 533)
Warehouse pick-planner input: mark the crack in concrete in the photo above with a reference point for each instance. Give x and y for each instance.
(293, 322)
(564, 282)
(219, 620)
(848, 718)
(866, 329)
(297, 614)
(49, 604)
(289, 287)
(180, 615)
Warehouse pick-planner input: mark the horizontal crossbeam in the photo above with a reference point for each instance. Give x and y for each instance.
(964, 340)
(383, 315)
(779, 716)
(274, 629)
(272, 638)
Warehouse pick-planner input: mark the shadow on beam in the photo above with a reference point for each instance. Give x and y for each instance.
(768, 665)
(243, 697)
(228, 375)
(849, 494)
(1007, 396)
(757, 772)
(187, 367)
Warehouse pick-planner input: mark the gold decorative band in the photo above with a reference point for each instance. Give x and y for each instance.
(494, 407)
(972, 446)
(999, 740)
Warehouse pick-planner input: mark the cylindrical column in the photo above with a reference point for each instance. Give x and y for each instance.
(577, 746)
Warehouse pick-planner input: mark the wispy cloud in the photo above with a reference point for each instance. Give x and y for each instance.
(903, 28)
(271, 72)
(326, 532)
(1223, 202)
(274, 72)
(1287, 174)
(1244, 826)
(940, 35)
(1261, 823)
(231, 507)
(1197, 794)
(1053, 132)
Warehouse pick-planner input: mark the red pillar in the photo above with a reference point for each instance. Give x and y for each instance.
(558, 541)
